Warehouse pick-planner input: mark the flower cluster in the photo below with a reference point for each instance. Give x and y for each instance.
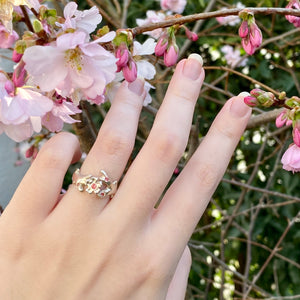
(290, 116)
(295, 4)
(250, 33)
(62, 61)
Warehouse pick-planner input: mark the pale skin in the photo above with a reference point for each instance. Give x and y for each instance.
(82, 247)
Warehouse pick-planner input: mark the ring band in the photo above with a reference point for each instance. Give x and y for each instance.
(102, 186)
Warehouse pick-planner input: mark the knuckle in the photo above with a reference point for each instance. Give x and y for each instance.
(168, 147)
(206, 174)
(51, 156)
(114, 143)
(184, 94)
(226, 131)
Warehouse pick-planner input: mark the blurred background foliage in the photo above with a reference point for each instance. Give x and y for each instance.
(247, 244)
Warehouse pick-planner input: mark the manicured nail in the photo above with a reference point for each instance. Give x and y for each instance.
(244, 94)
(193, 66)
(238, 108)
(137, 86)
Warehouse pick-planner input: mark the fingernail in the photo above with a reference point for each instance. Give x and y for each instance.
(137, 86)
(238, 108)
(193, 66)
(244, 94)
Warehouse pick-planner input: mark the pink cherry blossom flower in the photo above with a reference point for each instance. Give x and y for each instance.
(73, 67)
(86, 20)
(54, 120)
(176, 6)
(152, 17)
(21, 110)
(7, 38)
(295, 4)
(233, 57)
(230, 20)
(291, 159)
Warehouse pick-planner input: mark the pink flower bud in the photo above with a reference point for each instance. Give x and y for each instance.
(281, 119)
(296, 136)
(256, 92)
(29, 152)
(122, 54)
(130, 71)
(243, 30)
(191, 35)
(251, 101)
(161, 46)
(171, 56)
(248, 47)
(9, 87)
(295, 4)
(16, 57)
(255, 35)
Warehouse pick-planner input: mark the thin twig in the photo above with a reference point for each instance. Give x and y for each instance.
(208, 15)
(257, 276)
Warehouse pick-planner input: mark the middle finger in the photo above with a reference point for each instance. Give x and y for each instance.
(165, 144)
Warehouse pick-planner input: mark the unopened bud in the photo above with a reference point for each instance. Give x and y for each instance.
(191, 35)
(296, 136)
(16, 57)
(171, 55)
(130, 71)
(251, 101)
(161, 46)
(243, 30)
(255, 35)
(122, 54)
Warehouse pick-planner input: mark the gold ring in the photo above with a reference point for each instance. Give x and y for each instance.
(102, 186)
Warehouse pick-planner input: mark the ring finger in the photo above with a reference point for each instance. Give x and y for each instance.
(113, 146)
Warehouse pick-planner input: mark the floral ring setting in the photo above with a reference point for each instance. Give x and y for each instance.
(102, 186)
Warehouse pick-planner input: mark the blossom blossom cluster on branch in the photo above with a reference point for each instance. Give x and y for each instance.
(61, 61)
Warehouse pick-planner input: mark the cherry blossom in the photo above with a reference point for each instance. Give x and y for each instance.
(21, 110)
(152, 17)
(176, 6)
(293, 19)
(7, 38)
(86, 20)
(291, 159)
(233, 57)
(73, 67)
(145, 69)
(230, 20)
(62, 109)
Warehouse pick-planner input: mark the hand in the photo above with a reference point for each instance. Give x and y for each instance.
(82, 247)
